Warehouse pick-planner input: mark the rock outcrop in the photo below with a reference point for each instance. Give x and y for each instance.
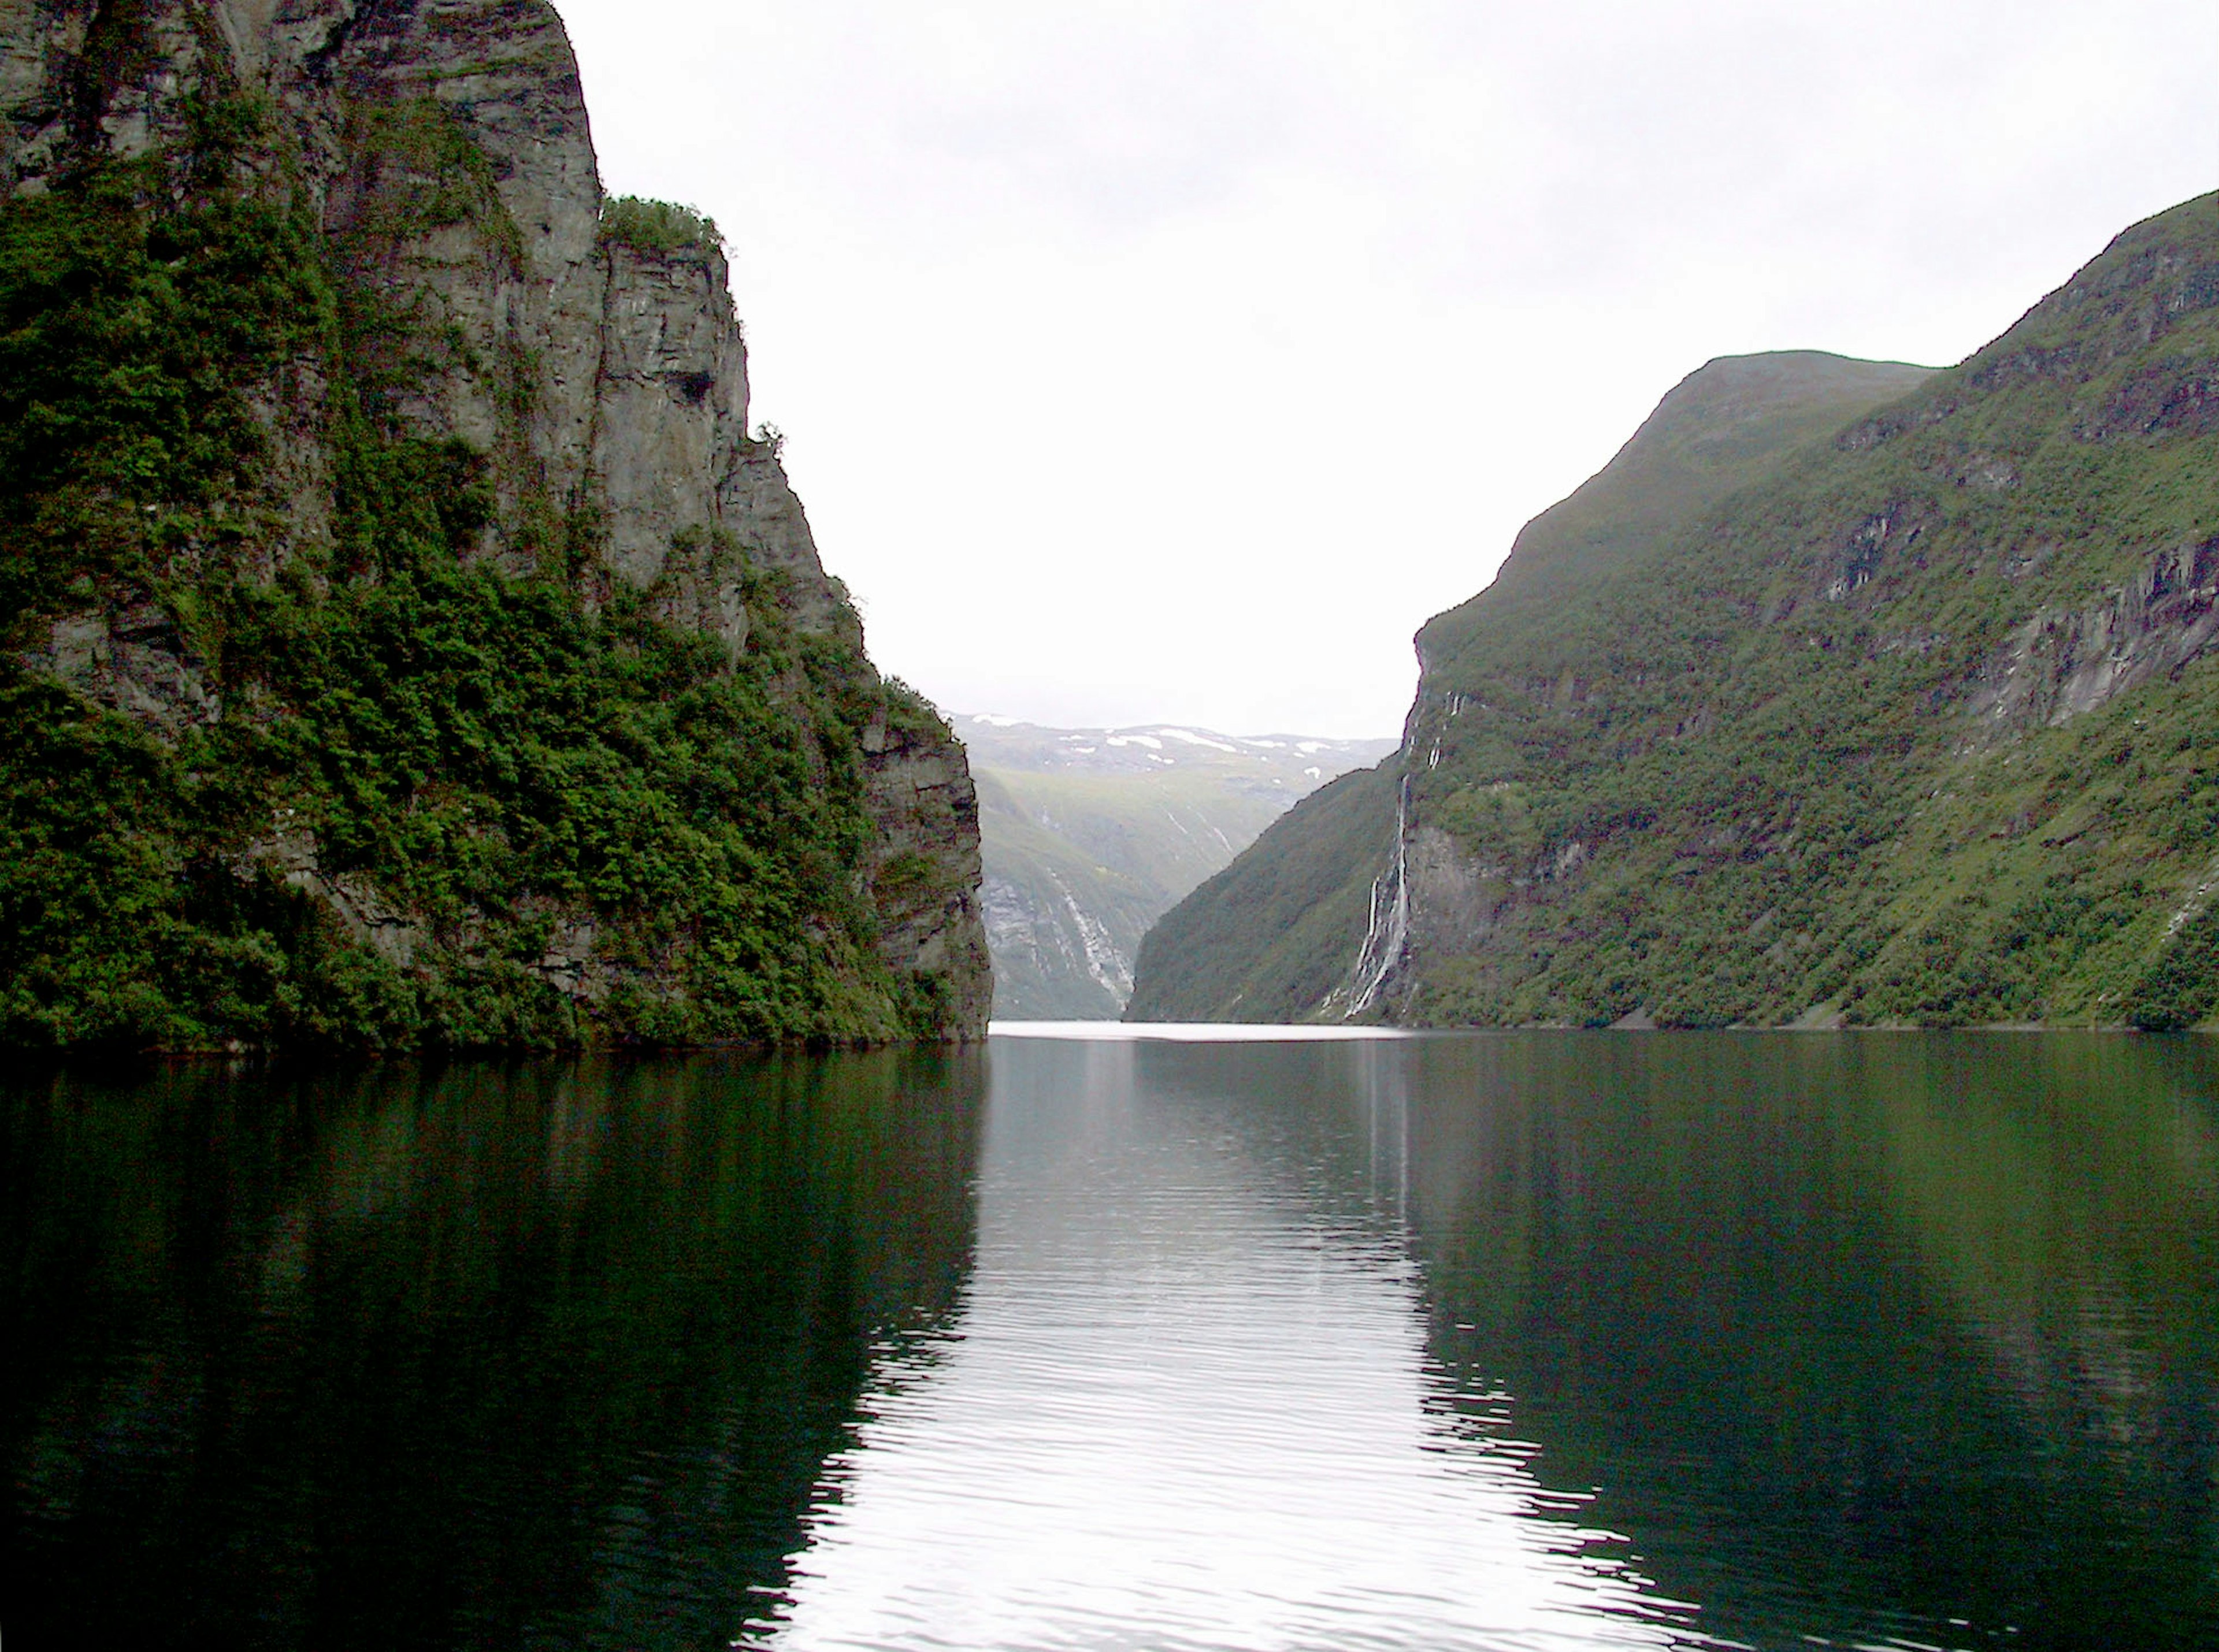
(475, 349)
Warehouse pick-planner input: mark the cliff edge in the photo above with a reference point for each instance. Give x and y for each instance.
(405, 638)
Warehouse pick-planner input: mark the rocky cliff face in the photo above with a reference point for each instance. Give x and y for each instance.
(403, 351)
(1859, 695)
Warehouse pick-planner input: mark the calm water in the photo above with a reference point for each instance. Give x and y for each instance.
(1524, 1341)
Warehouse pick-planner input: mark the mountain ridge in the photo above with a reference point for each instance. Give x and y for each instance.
(1849, 742)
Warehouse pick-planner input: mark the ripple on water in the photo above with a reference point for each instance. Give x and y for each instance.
(1181, 1407)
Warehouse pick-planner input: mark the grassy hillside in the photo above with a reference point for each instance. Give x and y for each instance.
(1269, 939)
(1916, 724)
(1089, 835)
(1721, 428)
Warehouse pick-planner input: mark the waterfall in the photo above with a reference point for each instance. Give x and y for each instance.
(1387, 930)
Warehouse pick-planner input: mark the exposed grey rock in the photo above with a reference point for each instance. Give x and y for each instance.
(672, 405)
(925, 874)
(289, 854)
(1456, 898)
(758, 506)
(135, 662)
(2063, 663)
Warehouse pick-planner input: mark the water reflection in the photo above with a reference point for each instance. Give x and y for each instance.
(1187, 1403)
(543, 1356)
(1876, 1340)
(1520, 1341)
(1880, 1341)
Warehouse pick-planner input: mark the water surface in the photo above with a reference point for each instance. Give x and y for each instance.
(1516, 1341)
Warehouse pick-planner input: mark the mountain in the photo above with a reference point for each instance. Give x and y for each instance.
(1274, 937)
(1090, 834)
(1846, 694)
(407, 643)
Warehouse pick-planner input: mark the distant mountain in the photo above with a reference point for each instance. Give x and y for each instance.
(1848, 693)
(1090, 834)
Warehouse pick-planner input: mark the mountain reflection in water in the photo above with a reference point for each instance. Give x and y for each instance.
(1519, 1341)
(1896, 1341)
(1187, 1401)
(543, 1354)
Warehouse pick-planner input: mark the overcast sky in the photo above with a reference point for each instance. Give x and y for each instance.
(1175, 359)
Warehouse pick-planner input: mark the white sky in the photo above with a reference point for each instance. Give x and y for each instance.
(1148, 359)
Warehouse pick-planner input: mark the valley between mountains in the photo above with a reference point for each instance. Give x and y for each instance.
(408, 642)
(1089, 835)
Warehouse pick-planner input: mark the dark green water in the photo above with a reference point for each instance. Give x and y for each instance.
(488, 1356)
(1528, 1341)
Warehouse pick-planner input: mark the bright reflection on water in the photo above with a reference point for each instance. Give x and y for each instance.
(1188, 1400)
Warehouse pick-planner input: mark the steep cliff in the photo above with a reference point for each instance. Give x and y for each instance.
(407, 641)
(1904, 715)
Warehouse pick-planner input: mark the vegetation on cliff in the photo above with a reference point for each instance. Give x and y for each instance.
(1915, 724)
(658, 226)
(372, 789)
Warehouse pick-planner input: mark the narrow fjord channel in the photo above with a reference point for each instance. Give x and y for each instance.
(1497, 1341)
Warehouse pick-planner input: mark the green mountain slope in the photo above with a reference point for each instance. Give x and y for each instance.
(1268, 938)
(1916, 724)
(1271, 939)
(1722, 427)
(1089, 835)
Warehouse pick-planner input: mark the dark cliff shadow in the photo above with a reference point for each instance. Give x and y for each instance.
(542, 1354)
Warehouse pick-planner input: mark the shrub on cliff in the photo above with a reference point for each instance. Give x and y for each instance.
(660, 226)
